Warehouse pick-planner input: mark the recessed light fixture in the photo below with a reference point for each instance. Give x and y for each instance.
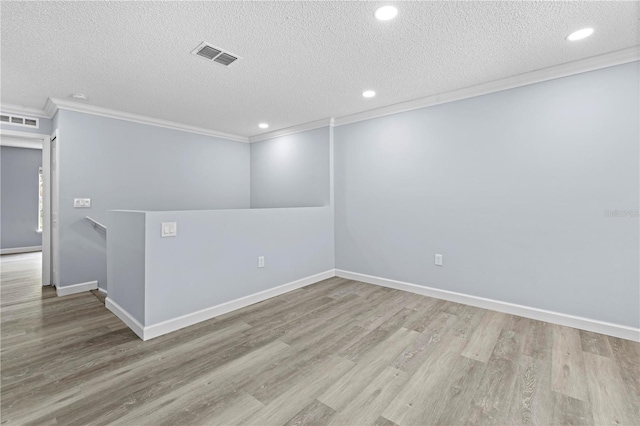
(79, 96)
(580, 34)
(385, 13)
(368, 94)
(263, 125)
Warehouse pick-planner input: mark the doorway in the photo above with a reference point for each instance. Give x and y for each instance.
(42, 142)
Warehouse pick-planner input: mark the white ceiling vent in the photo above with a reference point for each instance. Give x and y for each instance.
(215, 54)
(18, 120)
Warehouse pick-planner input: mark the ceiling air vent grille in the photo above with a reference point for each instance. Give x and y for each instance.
(225, 59)
(18, 120)
(215, 54)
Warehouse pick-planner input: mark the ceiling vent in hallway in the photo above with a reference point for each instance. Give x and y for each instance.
(18, 120)
(215, 54)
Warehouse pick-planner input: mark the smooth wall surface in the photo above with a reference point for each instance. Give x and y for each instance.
(214, 257)
(126, 261)
(19, 197)
(122, 165)
(513, 188)
(291, 171)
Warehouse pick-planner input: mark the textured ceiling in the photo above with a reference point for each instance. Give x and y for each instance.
(302, 61)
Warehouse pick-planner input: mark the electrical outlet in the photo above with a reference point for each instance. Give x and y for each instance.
(169, 229)
(438, 260)
(82, 203)
(261, 262)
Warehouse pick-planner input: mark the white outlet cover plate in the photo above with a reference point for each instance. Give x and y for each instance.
(81, 203)
(169, 229)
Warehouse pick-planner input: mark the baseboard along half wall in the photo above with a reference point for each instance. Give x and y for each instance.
(159, 329)
(18, 250)
(76, 288)
(125, 317)
(610, 329)
(155, 330)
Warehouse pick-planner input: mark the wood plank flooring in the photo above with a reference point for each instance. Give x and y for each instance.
(338, 352)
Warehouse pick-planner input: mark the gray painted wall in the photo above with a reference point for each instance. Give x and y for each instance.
(126, 261)
(45, 128)
(19, 197)
(291, 171)
(213, 259)
(131, 166)
(510, 187)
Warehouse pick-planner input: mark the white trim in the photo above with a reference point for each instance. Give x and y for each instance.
(174, 324)
(17, 250)
(18, 142)
(619, 57)
(291, 130)
(125, 317)
(76, 288)
(610, 329)
(103, 291)
(21, 110)
(54, 104)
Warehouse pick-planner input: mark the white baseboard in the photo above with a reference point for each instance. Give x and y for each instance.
(76, 288)
(125, 317)
(155, 330)
(610, 329)
(102, 290)
(17, 250)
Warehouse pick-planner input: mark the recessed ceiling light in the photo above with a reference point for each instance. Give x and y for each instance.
(79, 96)
(580, 34)
(368, 94)
(386, 13)
(263, 125)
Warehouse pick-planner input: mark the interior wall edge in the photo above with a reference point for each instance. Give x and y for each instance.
(593, 63)
(17, 250)
(76, 288)
(54, 104)
(596, 326)
(168, 326)
(125, 317)
(21, 110)
(293, 129)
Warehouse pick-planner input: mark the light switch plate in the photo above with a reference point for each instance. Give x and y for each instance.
(82, 203)
(438, 260)
(169, 229)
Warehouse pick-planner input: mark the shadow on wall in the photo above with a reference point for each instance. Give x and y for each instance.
(93, 243)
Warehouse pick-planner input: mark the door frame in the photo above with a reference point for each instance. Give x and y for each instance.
(46, 199)
(54, 205)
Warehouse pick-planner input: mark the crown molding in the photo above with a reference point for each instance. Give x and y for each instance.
(22, 110)
(18, 142)
(53, 105)
(291, 130)
(593, 63)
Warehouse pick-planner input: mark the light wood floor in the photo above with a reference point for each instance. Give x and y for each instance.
(337, 352)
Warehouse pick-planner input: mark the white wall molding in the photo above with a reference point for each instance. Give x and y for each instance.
(18, 142)
(54, 104)
(174, 324)
(563, 70)
(156, 330)
(21, 110)
(17, 250)
(76, 288)
(610, 329)
(291, 130)
(125, 317)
